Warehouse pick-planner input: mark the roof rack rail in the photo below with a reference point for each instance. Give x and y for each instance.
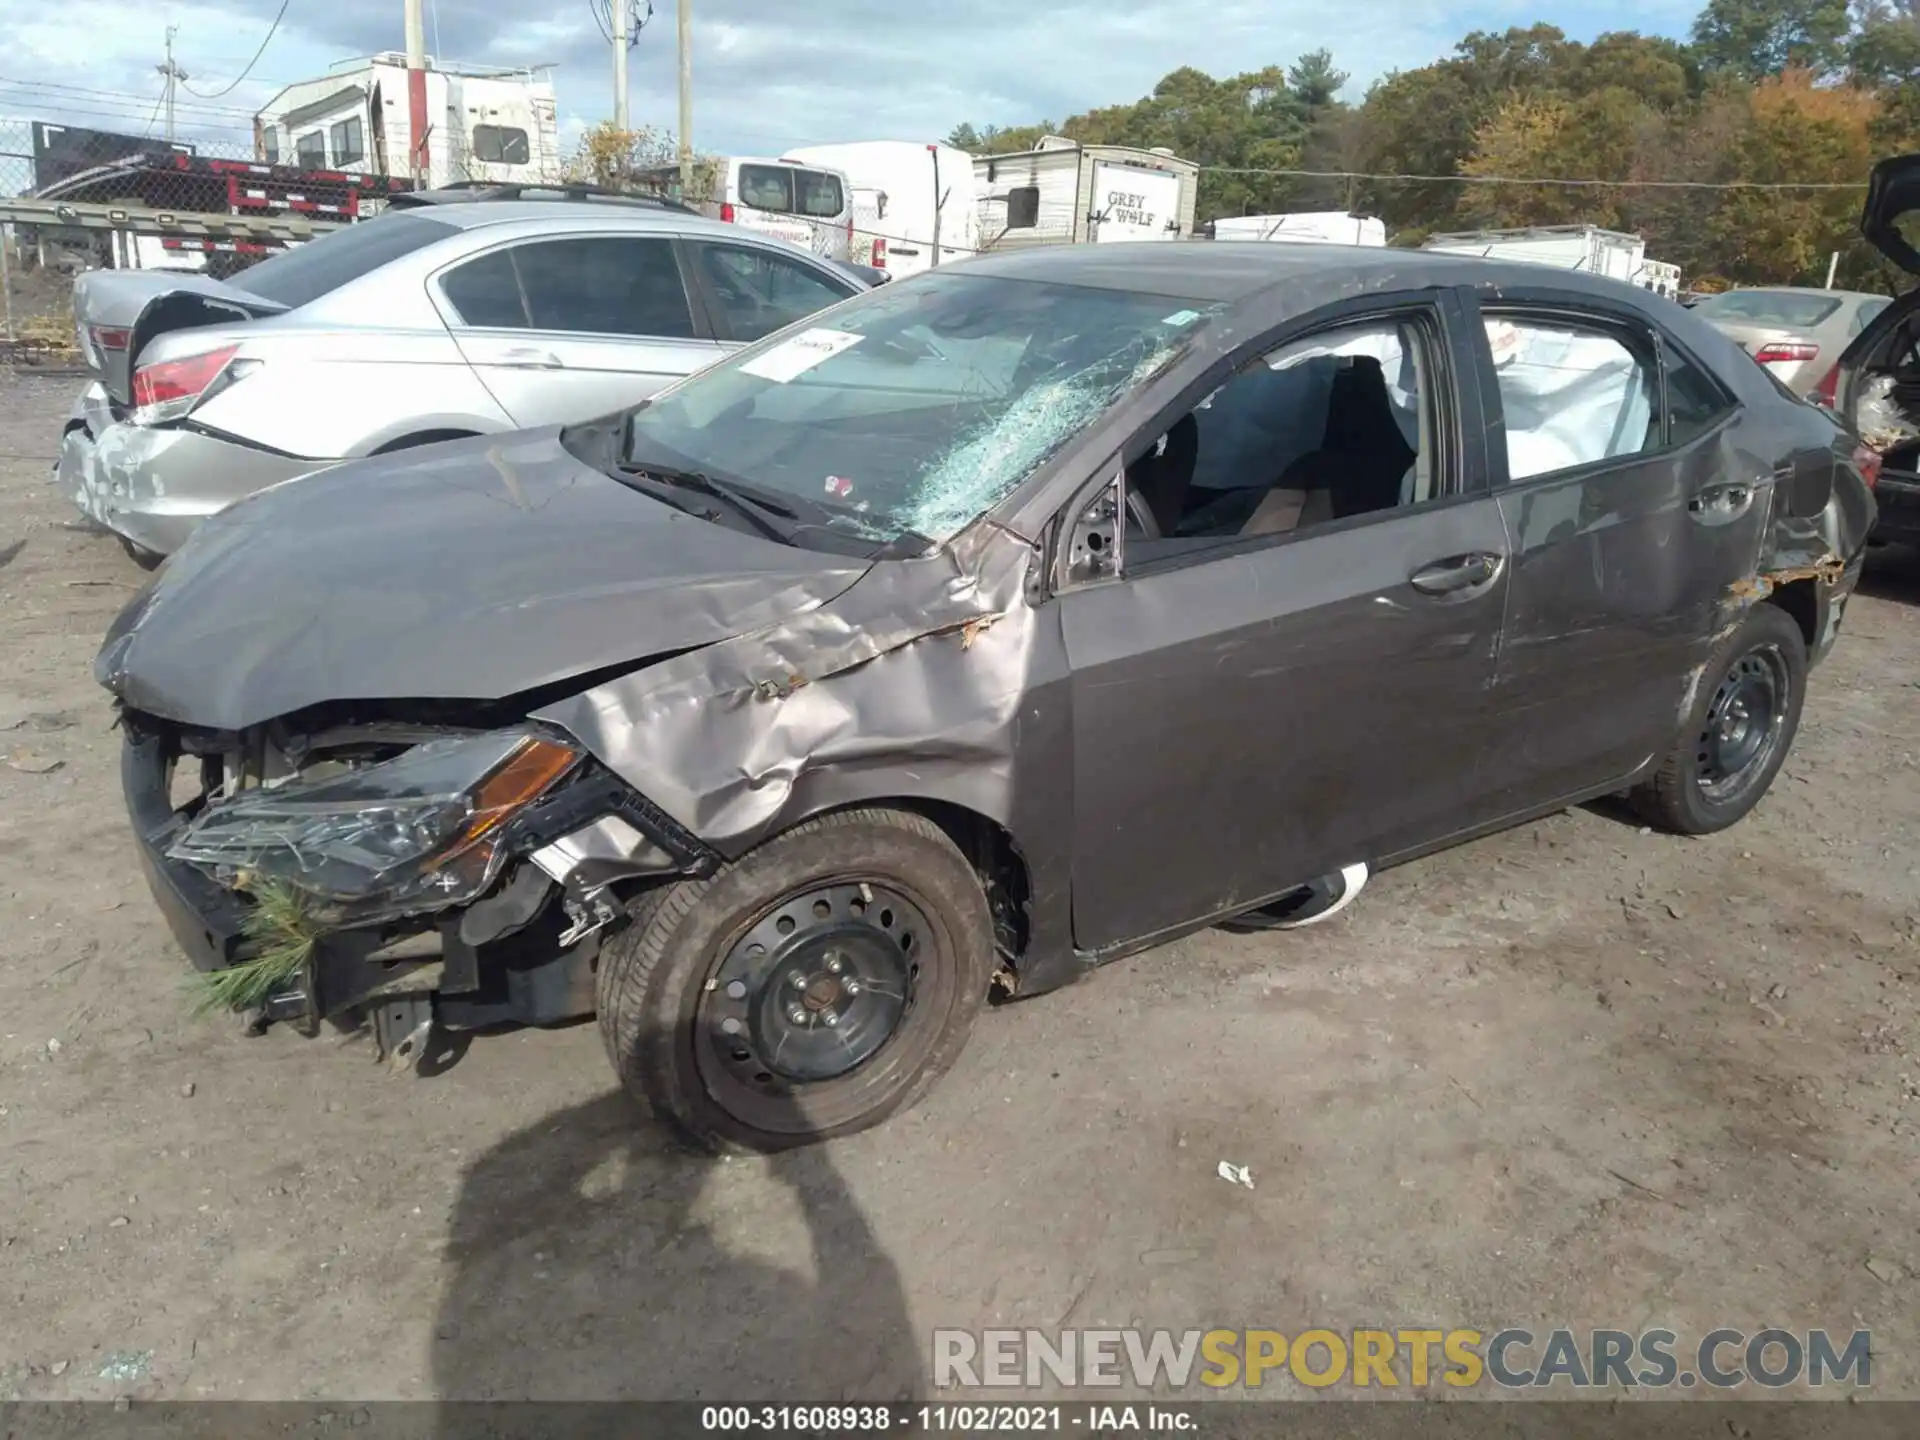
(472, 191)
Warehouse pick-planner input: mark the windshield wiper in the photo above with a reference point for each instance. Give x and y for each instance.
(756, 510)
(839, 525)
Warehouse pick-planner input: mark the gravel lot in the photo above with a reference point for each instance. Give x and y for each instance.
(1575, 1074)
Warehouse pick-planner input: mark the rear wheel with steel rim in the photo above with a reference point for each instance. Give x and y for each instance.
(810, 989)
(1739, 730)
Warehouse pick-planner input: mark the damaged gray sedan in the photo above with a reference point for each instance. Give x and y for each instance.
(965, 637)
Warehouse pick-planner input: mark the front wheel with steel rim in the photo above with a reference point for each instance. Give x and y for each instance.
(1738, 731)
(810, 989)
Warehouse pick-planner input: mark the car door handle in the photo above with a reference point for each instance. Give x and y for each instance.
(526, 357)
(1457, 573)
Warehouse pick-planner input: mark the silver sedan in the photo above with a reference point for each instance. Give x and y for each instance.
(425, 324)
(1797, 334)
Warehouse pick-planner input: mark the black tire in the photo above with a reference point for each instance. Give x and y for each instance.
(146, 559)
(658, 987)
(1766, 656)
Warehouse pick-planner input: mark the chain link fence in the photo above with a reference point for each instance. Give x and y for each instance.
(75, 198)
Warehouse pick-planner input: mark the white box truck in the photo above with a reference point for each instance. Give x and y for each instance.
(913, 203)
(1588, 248)
(1063, 193)
(1305, 227)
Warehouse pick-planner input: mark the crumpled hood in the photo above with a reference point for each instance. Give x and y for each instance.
(470, 570)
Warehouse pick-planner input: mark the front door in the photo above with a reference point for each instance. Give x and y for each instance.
(1290, 672)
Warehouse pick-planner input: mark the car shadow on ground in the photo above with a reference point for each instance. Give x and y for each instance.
(1892, 572)
(593, 1256)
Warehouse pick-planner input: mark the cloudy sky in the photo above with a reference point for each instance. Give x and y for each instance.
(767, 73)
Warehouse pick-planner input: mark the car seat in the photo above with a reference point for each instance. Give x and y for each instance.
(1363, 458)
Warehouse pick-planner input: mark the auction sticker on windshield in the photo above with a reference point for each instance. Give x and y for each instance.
(800, 354)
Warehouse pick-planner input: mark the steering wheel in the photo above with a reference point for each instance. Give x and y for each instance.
(1140, 514)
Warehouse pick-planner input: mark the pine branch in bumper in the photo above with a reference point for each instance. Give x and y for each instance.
(282, 929)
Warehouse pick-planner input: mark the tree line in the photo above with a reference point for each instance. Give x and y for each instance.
(1776, 91)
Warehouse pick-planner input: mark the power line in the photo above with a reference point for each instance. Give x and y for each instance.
(1543, 180)
(121, 97)
(251, 63)
(207, 131)
(85, 116)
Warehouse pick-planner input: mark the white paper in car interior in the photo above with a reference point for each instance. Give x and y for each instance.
(1571, 397)
(799, 355)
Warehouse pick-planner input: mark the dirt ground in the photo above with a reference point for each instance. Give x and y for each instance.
(1576, 1074)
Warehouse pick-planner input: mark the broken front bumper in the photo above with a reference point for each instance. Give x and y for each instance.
(206, 919)
(523, 953)
(154, 486)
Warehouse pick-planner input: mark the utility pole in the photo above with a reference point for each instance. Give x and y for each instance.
(685, 27)
(417, 93)
(621, 14)
(174, 75)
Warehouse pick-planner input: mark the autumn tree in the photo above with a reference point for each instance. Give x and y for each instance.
(1884, 49)
(1420, 122)
(1758, 38)
(618, 159)
(1802, 133)
(1663, 135)
(1435, 120)
(1591, 137)
(1235, 128)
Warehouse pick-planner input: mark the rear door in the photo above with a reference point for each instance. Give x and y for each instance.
(1629, 514)
(565, 329)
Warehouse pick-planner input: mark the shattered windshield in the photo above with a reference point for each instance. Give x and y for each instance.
(916, 407)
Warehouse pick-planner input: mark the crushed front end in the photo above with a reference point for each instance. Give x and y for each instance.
(409, 874)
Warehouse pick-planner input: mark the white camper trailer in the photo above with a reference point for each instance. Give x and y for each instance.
(482, 124)
(1613, 253)
(1308, 227)
(913, 203)
(1062, 193)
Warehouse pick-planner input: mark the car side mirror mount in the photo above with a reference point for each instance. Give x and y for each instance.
(1093, 548)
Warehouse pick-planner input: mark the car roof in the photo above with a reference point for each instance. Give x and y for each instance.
(473, 215)
(1231, 270)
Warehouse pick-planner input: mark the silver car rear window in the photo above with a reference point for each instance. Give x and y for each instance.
(1769, 307)
(303, 274)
